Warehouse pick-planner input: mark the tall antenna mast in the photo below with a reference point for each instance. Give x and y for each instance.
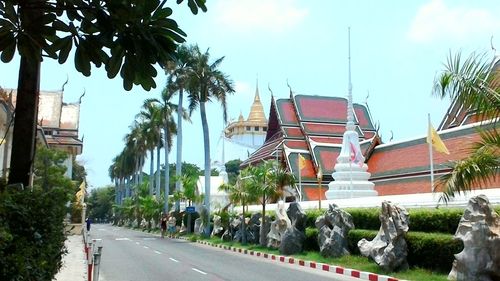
(350, 114)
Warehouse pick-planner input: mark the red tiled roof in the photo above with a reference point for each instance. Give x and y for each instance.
(286, 112)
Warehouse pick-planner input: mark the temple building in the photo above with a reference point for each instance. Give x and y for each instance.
(251, 132)
(312, 126)
(58, 124)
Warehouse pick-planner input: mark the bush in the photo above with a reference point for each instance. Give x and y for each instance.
(311, 216)
(434, 251)
(311, 242)
(31, 233)
(365, 218)
(435, 220)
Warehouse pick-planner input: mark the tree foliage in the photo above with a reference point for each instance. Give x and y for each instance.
(474, 83)
(126, 37)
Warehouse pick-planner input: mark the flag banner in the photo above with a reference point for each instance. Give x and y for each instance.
(434, 139)
(302, 162)
(356, 156)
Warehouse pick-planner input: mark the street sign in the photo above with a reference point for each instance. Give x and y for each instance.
(190, 209)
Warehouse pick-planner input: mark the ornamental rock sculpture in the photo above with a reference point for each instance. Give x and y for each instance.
(479, 229)
(218, 229)
(278, 226)
(388, 249)
(292, 241)
(333, 228)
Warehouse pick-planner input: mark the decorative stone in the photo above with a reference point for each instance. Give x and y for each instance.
(197, 225)
(333, 228)
(388, 249)
(253, 229)
(479, 229)
(278, 226)
(292, 241)
(218, 229)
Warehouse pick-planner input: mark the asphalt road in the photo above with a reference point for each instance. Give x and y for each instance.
(130, 255)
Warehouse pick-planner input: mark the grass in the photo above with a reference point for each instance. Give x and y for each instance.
(349, 261)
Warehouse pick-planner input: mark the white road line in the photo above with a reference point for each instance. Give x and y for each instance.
(122, 239)
(158, 252)
(174, 260)
(197, 270)
(146, 247)
(137, 243)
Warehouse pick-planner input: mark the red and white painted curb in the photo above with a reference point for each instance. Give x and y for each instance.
(362, 275)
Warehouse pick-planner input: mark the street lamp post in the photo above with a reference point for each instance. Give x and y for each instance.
(319, 176)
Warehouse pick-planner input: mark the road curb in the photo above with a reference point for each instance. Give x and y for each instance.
(362, 275)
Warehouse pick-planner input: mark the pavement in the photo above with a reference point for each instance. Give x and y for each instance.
(74, 266)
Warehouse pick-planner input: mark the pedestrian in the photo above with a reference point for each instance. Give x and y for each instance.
(171, 225)
(88, 221)
(163, 225)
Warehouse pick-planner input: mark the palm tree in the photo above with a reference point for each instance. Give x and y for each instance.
(166, 109)
(261, 177)
(151, 119)
(205, 83)
(178, 72)
(475, 83)
(281, 178)
(136, 142)
(243, 193)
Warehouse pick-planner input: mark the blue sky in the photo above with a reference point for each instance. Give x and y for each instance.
(397, 49)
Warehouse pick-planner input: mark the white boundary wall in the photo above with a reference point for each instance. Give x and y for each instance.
(418, 200)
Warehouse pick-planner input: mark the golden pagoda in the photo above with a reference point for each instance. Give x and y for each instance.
(252, 131)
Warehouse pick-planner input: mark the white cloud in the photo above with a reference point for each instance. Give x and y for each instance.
(257, 15)
(241, 87)
(437, 21)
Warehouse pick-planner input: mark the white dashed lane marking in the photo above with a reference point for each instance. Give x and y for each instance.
(122, 239)
(174, 260)
(137, 243)
(146, 247)
(199, 271)
(158, 252)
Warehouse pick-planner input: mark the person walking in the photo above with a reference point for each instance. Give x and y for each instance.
(88, 221)
(171, 225)
(163, 225)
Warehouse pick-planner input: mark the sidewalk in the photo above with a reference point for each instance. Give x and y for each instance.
(74, 262)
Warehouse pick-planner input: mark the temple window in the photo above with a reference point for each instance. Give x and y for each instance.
(256, 128)
(248, 128)
(264, 129)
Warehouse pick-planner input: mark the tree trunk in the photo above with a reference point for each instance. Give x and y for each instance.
(206, 143)
(263, 240)
(178, 166)
(151, 171)
(141, 166)
(158, 172)
(28, 89)
(167, 170)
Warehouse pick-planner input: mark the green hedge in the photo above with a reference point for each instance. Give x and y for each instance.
(426, 220)
(434, 251)
(31, 233)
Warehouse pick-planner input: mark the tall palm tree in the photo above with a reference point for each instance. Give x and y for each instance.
(178, 71)
(204, 83)
(475, 83)
(151, 118)
(135, 141)
(166, 110)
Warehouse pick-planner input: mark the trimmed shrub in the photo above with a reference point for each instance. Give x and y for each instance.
(365, 218)
(435, 220)
(311, 242)
(434, 251)
(311, 216)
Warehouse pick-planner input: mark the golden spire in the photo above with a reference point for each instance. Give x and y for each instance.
(257, 110)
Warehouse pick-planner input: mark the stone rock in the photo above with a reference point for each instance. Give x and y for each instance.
(253, 229)
(278, 226)
(218, 229)
(388, 249)
(479, 229)
(197, 225)
(292, 241)
(333, 228)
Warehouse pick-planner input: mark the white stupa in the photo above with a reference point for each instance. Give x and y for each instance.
(350, 173)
